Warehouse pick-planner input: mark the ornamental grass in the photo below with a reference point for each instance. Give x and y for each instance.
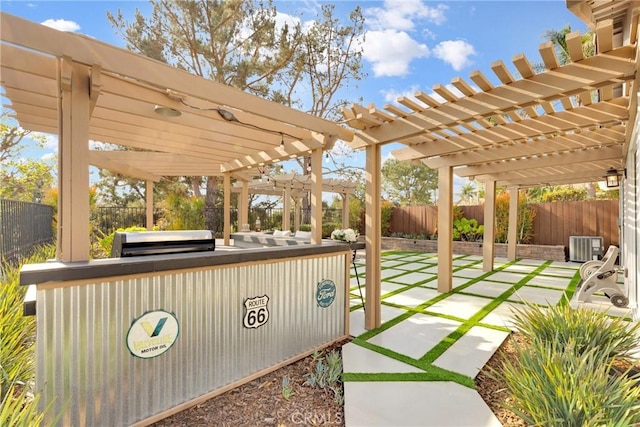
(569, 372)
(553, 384)
(18, 399)
(588, 329)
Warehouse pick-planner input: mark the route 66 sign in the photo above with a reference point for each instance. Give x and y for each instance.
(257, 312)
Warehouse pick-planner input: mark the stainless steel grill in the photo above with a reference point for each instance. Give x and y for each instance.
(130, 244)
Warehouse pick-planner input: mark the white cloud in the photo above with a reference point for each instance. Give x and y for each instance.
(456, 53)
(401, 14)
(391, 51)
(391, 95)
(47, 157)
(50, 141)
(290, 20)
(61, 25)
(388, 157)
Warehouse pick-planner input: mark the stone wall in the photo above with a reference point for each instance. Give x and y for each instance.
(543, 252)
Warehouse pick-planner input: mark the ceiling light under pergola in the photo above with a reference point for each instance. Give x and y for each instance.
(166, 111)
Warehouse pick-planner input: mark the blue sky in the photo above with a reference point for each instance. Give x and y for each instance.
(410, 45)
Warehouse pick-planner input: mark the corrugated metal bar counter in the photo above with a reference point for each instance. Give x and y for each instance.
(133, 340)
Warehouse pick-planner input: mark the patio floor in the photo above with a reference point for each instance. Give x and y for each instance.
(431, 346)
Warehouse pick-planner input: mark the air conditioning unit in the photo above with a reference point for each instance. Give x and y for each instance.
(585, 248)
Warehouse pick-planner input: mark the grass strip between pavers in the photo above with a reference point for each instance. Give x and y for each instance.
(434, 373)
(420, 308)
(431, 373)
(407, 376)
(451, 339)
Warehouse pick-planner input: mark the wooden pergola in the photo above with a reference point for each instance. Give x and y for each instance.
(290, 186)
(179, 124)
(565, 124)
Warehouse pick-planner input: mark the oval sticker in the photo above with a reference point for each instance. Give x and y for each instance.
(152, 334)
(326, 293)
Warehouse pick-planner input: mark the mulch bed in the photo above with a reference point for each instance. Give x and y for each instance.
(261, 402)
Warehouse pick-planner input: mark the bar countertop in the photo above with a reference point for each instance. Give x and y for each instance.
(56, 271)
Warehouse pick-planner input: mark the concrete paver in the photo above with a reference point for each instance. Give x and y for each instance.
(417, 402)
(407, 403)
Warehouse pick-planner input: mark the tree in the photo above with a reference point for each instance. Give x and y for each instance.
(239, 43)
(11, 145)
(406, 183)
(559, 40)
(27, 180)
(468, 194)
(22, 179)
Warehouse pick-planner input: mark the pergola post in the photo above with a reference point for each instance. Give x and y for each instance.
(316, 196)
(149, 204)
(512, 238)
(286, 209)
(345, 210)
(488, 246)
(227, 208)
(373, 231)
(296, 213)
(73, 166)
(243, 211)
(445, 229)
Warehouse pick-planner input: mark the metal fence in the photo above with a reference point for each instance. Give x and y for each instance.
(23, 227)
(108, 219)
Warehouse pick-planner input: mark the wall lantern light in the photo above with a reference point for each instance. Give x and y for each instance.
(612, 177)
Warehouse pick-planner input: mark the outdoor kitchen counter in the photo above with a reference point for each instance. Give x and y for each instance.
(56, 271)
(132, 340)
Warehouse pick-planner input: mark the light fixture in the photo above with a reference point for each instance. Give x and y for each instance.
(227, 115)
(612, 177)
(309, 166)
(264, 171)
(166, 111)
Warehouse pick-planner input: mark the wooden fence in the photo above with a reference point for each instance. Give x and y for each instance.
(553, 224)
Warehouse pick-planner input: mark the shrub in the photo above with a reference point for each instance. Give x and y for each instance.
(16, 346)
(554, 383)
(587, 329)
(526, 215)
(386, 210)
(564, 194)
(329, 227)
(106, 242)
(467, 230)
(182, 213)
(325, 373)
(565, 375)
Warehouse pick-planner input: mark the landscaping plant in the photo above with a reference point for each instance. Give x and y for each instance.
(17, 339)
(568, 374)
(326, 373)
(559, 383)
(611, 337)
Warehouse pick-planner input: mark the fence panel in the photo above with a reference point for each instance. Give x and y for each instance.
(556, 222)
(553, 224)
(414, 220)
(23, 226)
